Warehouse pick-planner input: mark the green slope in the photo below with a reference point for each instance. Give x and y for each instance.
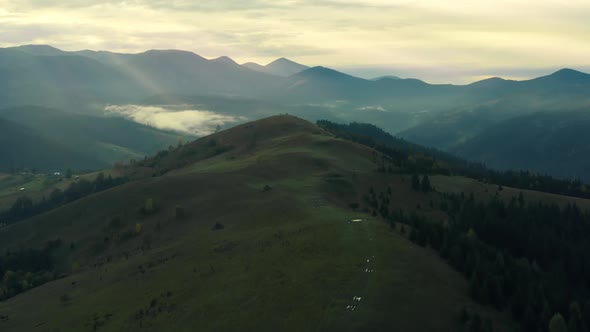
(289, 258)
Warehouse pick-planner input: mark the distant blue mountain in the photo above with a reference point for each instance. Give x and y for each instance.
(280, 67)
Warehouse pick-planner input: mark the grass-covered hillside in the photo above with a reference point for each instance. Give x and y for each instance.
(260, 227)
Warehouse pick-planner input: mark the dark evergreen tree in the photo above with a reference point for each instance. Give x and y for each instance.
(575, 318)
(557, 324)
(425, 185)
(415, 181)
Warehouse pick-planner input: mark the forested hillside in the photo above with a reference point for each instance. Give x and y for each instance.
(526, 257)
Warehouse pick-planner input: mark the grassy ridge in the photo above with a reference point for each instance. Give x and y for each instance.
(294, 265)
(288, 258)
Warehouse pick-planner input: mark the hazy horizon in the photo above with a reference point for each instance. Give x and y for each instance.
(439, 43)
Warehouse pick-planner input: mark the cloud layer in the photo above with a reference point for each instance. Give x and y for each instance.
(428, 35)
(194, 122)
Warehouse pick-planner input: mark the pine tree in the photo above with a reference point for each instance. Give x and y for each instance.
(415, 182)
(530, 321)
(425, 185)
(521, 199)
(392, 223)
(179, 212)
(557, 324)
(413, 235)
(474, 287)
(545, 314)
(575, 321)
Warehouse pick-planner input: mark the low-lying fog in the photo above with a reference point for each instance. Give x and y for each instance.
(177, 118)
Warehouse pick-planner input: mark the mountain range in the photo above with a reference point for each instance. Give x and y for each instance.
(115, 77)
(445, 116)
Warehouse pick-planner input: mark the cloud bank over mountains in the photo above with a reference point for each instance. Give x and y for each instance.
(187, 121)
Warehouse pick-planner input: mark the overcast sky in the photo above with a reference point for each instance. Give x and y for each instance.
(440, 41)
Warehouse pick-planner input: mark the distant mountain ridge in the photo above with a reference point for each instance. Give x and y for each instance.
(386, 77)
(546, 142)
(131, 76)
(439, 115)
(46, 76)
(49, 139)
(280, 67)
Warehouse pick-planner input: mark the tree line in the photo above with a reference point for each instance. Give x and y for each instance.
(530, 258)
(26, 268)
(24, 207)
(402, 156)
